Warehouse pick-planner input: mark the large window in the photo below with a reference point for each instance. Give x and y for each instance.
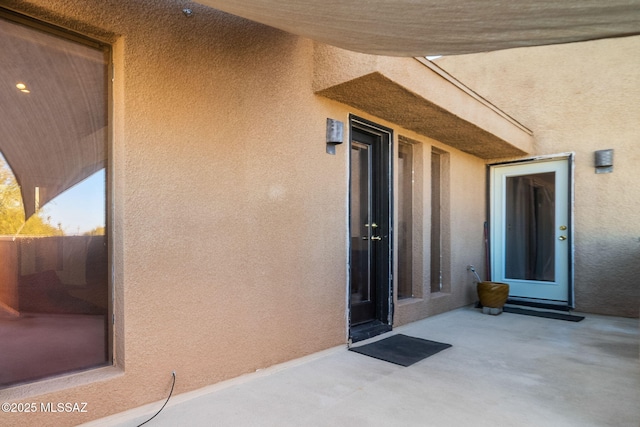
(54, 298)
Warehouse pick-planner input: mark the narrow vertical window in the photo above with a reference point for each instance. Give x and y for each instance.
(405, 219)
(436, 221)
(54, 301)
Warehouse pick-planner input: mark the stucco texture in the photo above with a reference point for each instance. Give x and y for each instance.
(580, 97)
(228, 218)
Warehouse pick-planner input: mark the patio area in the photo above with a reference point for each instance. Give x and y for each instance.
(506, 370)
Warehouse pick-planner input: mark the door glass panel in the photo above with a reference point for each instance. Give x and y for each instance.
(360, 222)
(530, 227)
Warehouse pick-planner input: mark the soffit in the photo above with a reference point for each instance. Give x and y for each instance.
(420, 97)
(436, 27)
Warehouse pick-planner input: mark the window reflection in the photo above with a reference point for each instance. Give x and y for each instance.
(53, 246)
(361, 165)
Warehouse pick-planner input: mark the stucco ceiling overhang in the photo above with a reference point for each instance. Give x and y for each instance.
(422, 98)
(437, 27)
(55, 135)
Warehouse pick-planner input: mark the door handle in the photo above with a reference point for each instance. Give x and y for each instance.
(376, 238)
(562, 238)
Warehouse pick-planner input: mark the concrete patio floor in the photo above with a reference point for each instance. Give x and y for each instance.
(506, 370)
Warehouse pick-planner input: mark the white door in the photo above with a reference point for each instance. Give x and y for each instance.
(531, 242)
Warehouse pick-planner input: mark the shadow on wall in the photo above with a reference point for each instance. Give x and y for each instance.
(607, 274)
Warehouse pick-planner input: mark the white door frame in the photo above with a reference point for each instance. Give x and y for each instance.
(496, 237)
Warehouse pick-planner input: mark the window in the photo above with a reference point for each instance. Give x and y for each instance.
(405, 219)
(436, 230)
(54, 286)
(440, 235)
(410, 219)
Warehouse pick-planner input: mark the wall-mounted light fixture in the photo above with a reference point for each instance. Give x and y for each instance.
(335, 134)
(604, 161)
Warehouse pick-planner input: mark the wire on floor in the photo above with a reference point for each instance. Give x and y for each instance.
(165, 402)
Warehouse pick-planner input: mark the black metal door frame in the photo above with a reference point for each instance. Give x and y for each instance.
(377, 316)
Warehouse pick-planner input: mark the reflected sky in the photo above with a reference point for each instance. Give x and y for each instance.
(81, 208)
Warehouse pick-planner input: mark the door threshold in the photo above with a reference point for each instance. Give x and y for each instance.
(542, 305)
(368, 330)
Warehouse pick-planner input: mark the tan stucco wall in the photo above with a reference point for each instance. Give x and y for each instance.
(229, 219)
(427, 101)
(580, 97)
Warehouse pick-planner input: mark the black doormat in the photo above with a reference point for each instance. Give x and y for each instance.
(547, 314)
(541, 305)
(401, 349)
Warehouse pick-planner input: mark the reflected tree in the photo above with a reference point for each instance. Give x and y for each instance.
(12, 220)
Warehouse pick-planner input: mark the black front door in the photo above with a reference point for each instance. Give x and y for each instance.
(370, 230)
